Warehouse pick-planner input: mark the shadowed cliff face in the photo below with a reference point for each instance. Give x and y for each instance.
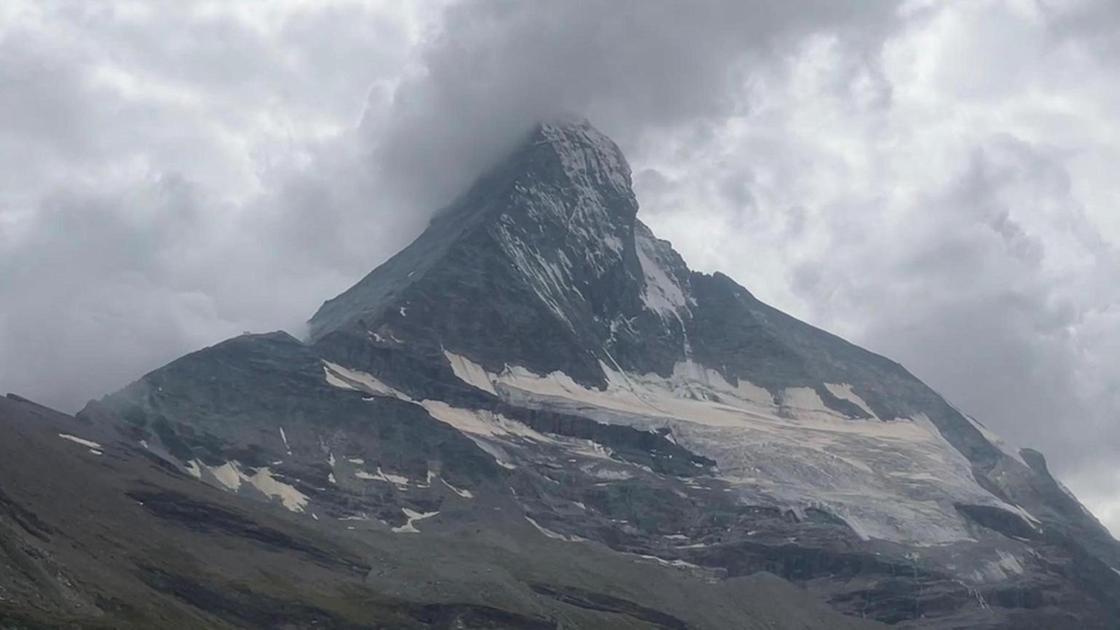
(538, 380)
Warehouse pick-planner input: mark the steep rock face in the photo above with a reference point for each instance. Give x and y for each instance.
(556, 298)
(521, 267)
(539, 363)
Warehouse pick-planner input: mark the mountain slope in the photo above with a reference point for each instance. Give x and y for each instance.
(97, 531)
(540, 387)
(554, 297)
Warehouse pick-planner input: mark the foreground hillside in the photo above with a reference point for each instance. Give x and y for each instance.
(96, 532)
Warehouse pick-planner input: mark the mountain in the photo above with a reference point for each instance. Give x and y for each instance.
(536, 415)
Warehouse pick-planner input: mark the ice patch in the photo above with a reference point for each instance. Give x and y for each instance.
(90, 444)
(193, 469)
(470, 372)
(412, 516)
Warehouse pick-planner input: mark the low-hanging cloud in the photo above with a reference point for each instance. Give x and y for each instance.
(932, 180)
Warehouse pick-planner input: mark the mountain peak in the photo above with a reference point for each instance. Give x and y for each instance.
(587, 155)
(555, 218)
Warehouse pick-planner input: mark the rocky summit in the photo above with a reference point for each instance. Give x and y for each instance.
(537, 416)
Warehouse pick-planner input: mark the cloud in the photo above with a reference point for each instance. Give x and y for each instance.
(944, 204)
(932, 180)
(170, 178)
(632, 66)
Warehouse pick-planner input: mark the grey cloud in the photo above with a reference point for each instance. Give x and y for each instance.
(631, 66)
(166, 183)
(969, 305)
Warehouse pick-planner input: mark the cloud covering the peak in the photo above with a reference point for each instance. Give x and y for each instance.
(932, 180)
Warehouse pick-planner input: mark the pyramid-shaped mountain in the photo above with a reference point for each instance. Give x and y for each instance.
(536, 415)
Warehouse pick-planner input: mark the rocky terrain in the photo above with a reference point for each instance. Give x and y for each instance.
(536, 416)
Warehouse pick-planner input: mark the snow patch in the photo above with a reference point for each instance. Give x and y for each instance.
(844, 391)
(895, 480)
(391, 478)
(284, 438)
(345, 378)
(227, 474)
(231, 477)
(466, 494)
(412, 517)
(381, 475)
(662, 294)
(995, 440)
(481, 422)
(470, 372)
(551, 534)
(804, 402)
(485, 428)
(292, 499)
(90, 444)
(679, 564)
(1009, 563)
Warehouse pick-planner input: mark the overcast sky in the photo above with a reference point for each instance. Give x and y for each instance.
(934, 180)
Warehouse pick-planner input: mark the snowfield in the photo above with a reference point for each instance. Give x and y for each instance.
(891, 479)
